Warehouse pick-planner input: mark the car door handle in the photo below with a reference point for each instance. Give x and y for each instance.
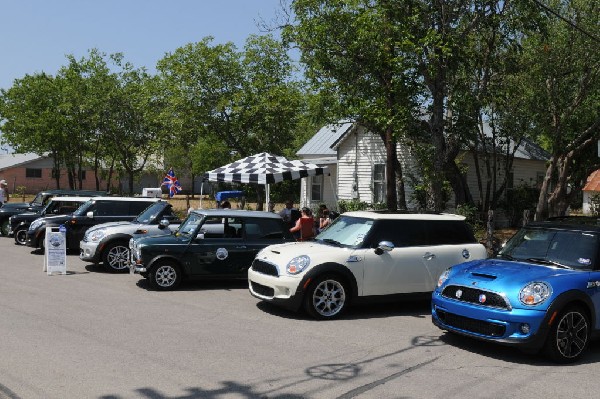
(428, 256)
(240, 247)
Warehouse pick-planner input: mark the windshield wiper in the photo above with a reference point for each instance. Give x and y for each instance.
(544, 261)
(331, 241)
(505, 256)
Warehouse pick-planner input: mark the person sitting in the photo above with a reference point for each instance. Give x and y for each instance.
(304, 229)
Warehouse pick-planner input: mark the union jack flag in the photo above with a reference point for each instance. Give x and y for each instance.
(172, 183)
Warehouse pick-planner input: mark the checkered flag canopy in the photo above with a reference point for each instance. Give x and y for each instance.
(264, 168)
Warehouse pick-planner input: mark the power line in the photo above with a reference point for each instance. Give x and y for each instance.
(557, 15)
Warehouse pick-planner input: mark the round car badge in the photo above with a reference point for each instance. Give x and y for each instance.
(466, 254)
(482, 298)
(222, 254)
(458, 293)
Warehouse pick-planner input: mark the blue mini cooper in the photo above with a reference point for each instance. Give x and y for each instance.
(541, 293)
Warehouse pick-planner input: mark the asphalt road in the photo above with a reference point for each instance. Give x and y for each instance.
(91, 334)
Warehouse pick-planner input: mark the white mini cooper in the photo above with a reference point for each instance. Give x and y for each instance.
(363, 256)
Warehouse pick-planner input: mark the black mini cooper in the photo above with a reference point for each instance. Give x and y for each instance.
(209, 244)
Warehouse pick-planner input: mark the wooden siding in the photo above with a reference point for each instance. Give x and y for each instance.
(358, 154)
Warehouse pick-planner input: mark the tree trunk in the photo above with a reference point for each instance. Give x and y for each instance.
(390, 170)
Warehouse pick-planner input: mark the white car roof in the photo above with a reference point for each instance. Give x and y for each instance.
(404, 216)
(71, 199)
(133, 199)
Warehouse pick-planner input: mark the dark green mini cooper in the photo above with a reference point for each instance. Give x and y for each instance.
(210, 243)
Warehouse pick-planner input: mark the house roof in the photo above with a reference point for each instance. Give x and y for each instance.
(11, 160)
(593, 182)
(321, 145)
(326, 141)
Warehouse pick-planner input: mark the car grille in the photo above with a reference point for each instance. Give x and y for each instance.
(471, 325)
(476, 296)
(262, 290)
(263, 267)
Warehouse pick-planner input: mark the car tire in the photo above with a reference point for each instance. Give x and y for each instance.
(165, 275)
(4, 227)
(115, 257)
(21, 236)
(569, 335)
(327, 297)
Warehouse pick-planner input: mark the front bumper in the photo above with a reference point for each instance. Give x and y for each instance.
(35, 238)
(490, 324)
(88, 251)
(284, 291)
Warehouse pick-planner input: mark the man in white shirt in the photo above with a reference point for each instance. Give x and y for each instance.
(286, 213)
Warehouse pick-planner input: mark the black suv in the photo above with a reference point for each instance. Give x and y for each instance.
(39, 202)
(210, 243)
(95, 211)
(19, 224)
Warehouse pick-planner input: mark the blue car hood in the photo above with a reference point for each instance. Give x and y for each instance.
(496, 272)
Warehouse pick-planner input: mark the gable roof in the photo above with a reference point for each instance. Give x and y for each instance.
(11, 160)
(326, 141)
(593, 182)
(323, 142)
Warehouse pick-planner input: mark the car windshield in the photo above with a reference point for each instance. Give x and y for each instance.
(82, 210)
(52, 205)
(38, 200)
(150, 213)
(346, 231)
(561, 248)
(189, 225)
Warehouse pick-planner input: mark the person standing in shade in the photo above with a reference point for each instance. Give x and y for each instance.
(324, 221)
(286, 212)
(3, 192)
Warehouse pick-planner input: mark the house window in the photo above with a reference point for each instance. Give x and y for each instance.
(378, 183)
(316, 188)
(510, 180)
(54, 174)
(33, 173)
(539, 179)
(82, 174)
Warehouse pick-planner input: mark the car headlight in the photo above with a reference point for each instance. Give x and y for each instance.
(298, 264)
(36, 223)
(444, 276)
(535, 293)
(95, 235)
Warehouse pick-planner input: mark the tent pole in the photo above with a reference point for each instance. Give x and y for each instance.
(267, 195)
(201, 192)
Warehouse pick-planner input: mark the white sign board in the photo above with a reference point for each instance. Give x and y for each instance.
(55, 250)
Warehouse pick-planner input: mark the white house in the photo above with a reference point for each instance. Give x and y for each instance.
(356, 160)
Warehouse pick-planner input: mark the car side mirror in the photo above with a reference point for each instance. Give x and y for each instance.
(384, 246)
(90, 215)
(163, 224)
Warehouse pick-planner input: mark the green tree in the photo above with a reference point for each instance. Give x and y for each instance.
(356, 51)
(562, 89)
(29, 118)
(226, 104)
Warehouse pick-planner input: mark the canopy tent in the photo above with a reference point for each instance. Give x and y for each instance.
(264, 168)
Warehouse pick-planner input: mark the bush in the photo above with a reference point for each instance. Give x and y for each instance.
(356, 205)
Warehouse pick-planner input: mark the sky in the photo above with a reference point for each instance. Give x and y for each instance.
(36, 35)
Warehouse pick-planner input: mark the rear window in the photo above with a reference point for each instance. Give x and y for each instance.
(411, 233)
(266, 229)
(442, 232)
